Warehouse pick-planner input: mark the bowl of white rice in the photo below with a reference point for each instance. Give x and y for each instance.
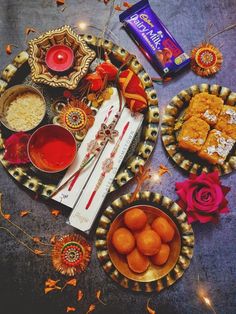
(22, 108)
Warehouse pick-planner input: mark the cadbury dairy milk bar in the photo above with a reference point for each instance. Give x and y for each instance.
(154, 40)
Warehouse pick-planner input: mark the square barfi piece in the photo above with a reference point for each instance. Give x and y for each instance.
(217, 147)
(204, 106)
(193, 134)
(227, 121)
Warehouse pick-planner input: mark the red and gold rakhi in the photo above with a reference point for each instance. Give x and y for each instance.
(71, 254)
(77, 117)
(206, 59)
(107, 165)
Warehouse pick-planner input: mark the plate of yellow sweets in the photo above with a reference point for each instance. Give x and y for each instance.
(199, 129)
(146, 244)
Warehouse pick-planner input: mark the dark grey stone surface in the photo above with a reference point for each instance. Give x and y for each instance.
(22, 275)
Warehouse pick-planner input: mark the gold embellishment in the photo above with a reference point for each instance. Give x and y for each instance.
(71, 254)
(206, 59)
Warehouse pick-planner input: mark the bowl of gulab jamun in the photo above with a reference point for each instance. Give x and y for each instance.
(144, 243)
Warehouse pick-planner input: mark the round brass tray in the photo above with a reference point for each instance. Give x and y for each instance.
(189, 161)
(141, 149)
(155, 278)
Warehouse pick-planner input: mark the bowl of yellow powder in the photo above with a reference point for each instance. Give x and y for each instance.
(22, 108)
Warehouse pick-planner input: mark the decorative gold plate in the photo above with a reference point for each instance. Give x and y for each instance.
(141, 149)
(174, 110)
(38, 48)
(156, 278)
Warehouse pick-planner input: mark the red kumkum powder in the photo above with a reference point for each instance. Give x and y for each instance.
(52, 152)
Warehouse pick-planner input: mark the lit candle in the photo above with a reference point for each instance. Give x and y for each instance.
(59, 58)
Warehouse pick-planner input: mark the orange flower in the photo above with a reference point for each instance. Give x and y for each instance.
(118, 8)
(53, 239)
(39, 252)
(91, 308)
(51, 283)
(7, 216)
(98, 295)
(162, 170)
(24, 213)
(36, 239)
(70, 309)
(71, 282)
(80, 295)
(150, 310)
(60, 2)
(55, 212)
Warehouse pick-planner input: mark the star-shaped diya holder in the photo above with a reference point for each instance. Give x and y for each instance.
(59, 58)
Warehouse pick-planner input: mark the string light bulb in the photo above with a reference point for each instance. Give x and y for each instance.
(82, 26)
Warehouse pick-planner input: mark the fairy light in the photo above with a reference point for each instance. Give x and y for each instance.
(156, 177)
(82, 25)
(205, 299)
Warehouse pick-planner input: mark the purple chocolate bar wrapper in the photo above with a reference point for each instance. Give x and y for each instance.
(154, 40)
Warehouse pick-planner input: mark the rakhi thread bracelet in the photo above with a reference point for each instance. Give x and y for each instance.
(107, 166)
(103, 134)
(94, 148)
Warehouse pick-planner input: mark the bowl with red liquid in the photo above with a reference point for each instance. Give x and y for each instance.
(52, 148)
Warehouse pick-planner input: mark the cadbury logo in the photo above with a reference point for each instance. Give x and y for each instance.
(145, 18)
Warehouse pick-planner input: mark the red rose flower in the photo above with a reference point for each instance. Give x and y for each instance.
(16, 148)
(202, 197)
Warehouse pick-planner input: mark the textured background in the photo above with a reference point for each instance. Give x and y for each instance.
(22, 275)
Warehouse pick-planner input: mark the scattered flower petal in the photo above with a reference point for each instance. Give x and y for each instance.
(48, 289)
(117, 8)
(8, 48)
(16, 148)
(7, 216)
(36, 239)
(71, 282)
(55, 212)
(24, 213)
(162, 170)
(150, 310)
(91, 308)
(53, 239)
(39, 252)
(51, 283)
(60, 2)
(80, 295)
(70, 309)
(98, 295)
(127, 4)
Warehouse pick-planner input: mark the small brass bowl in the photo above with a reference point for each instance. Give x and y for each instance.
(52, 148)
(83, 56)
(10, 95)
(153, 272)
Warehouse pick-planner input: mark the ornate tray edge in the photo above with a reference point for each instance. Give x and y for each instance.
(187, 241)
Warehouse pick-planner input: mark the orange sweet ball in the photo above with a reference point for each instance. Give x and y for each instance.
(148, 242)
(137, 233)
(137, 262)
(162, 256)
(135, 219)
(163, 228)
(123, 241)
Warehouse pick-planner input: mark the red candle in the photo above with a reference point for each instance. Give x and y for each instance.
(59, 58)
